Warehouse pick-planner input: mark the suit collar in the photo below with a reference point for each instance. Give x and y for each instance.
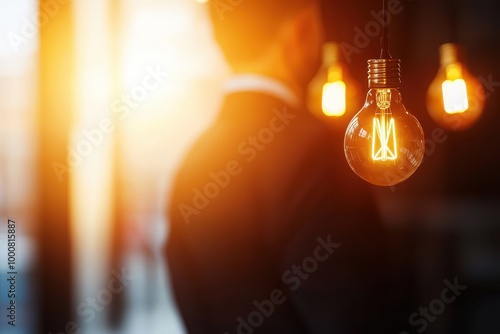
(261, 84)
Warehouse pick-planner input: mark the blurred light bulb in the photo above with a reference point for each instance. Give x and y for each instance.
(384, 143)
(455, 90)
(334, 98)
(332, 92)
(455, 99)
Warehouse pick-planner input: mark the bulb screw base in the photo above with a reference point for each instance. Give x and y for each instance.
(384, 73)
(450, 53)
(331, 53)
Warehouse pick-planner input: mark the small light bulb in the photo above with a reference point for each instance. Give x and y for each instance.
(455, 99)
(334, 98)
(332, 93)
(384, 143)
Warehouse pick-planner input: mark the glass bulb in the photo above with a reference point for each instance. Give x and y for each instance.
(455, 99)
(333, 93)
(384, 143)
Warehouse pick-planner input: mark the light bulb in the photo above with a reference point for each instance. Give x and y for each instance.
(384, 143)
(333, 101)
(333, 92)
(455, 99)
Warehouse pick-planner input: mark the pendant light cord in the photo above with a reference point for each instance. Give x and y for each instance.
(453, 21)
(384, 41)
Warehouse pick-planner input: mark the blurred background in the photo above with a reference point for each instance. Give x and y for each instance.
(99, 101)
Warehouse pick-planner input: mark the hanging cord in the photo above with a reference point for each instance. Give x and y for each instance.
(453, 21)
(384, 41)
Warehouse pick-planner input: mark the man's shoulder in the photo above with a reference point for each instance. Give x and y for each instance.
(279, 131)
(262, 137)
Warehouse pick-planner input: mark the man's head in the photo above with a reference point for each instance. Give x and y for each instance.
(280, 38)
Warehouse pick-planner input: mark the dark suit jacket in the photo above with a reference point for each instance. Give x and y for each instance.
(259, 208)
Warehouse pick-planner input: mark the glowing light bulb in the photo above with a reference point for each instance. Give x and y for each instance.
(332, 93)
(384, 143)
(455, 99)
(455, 90)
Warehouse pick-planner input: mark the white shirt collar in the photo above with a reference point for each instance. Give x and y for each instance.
(263, 84)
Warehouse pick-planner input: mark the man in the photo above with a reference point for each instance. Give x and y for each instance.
(270, 231)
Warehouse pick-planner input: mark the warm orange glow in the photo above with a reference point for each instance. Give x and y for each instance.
(333, 92)
(455, 98)
(334, 98)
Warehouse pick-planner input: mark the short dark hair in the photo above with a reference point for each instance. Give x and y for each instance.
(245, 28)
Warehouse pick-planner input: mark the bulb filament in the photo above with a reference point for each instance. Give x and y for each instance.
(384, 145)
(455, 91)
